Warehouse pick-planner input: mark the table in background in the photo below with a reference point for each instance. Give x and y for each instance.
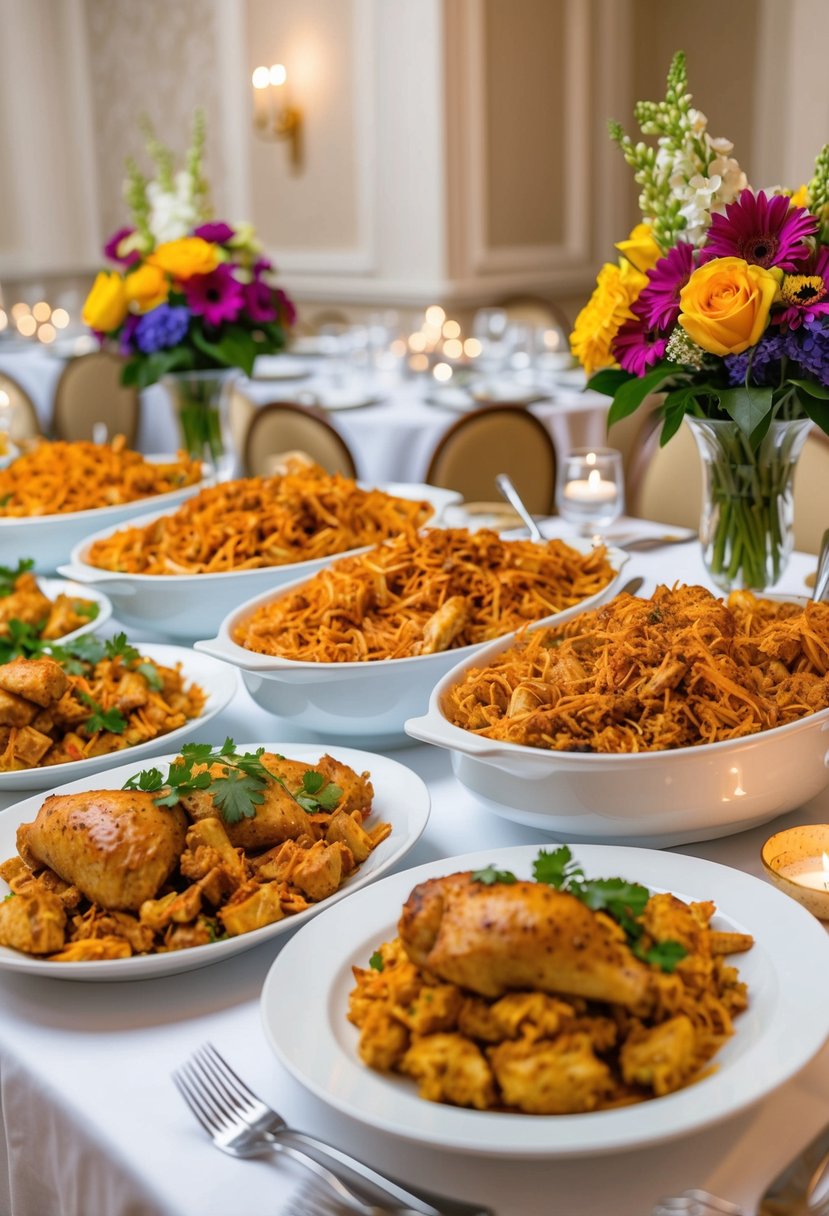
(391, 440)
(94, 1127)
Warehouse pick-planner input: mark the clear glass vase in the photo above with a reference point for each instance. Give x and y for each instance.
(201, 401)
(746, 525)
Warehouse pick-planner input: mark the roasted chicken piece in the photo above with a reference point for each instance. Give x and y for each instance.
(443, 626)
(26, 603)
(40, 680)
(34, 923)
(491, 939)
(551, 1076)
(116, 846)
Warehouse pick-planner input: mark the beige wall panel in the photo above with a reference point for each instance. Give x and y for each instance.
(317, 208)
(157, 58)
(525, 105)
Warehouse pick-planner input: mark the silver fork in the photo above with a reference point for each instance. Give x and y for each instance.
(696, 1203)
(241, 1124)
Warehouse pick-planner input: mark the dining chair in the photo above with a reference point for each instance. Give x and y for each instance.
(90, 396)
(283, 426)
(17, 410)
(811, 492)
(241, 412)
(497, 439)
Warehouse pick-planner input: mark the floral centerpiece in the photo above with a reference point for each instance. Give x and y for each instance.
(192, 298)
(720, 301)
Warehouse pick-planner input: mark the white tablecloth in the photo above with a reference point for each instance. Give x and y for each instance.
(92, 1125)
(390, 441)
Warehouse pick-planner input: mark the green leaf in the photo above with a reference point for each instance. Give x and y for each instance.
(665, 955)
(237, 796)
(675, 407)
(609, 380)
(9, 577)
(87, 608)
(102, 719)
(812, 388)
(119, 647)
(376, 961)
(556, 868)
(235, 348)
(490, 875)
(750, 407)
(814, 398)
(150, 673)
(312, 782)
(630, 395)
(149, 779)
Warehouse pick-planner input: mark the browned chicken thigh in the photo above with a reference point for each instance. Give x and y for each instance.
(492, 939)
(116, 846)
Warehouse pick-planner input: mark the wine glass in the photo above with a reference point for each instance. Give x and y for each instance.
(590, 491)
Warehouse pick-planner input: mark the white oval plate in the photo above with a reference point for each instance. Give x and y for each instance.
(53, 587)
(400, 798)
(219, 682)
(786, 1023)
(279, 367)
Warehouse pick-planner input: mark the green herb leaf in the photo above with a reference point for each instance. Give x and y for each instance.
(375, 962)
(316, 795)
(489, 875)
(87, 608)
(119, 647)
(556, 868)
(102, 719)
(9, 577)
(665, 955)
(151, 674)
(237, 796)
(149, 780)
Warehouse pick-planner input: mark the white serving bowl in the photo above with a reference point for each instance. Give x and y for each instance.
(53, 587)
(188, 606)
(365, 702)
(656, 799)
(49, 539)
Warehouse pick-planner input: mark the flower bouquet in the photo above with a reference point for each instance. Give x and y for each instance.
(720, 301)
(193, 297)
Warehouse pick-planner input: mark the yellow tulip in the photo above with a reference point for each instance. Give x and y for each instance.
(188, 256)
(725, 305)
(146, 288)
(105, 308)
(640, 249)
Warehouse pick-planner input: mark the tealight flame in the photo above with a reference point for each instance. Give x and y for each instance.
(593, 479)
(590, 458)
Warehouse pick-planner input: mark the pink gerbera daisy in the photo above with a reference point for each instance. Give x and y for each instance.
(216, 296)
(763, 231)
(658, 303)
(636, 347)
(806, 293)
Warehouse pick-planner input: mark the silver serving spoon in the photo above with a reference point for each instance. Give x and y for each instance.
(509, 492)
(822, 576)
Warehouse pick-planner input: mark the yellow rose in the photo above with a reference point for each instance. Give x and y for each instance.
(185, 257)
(146, 288)
(617, 287)
(640, 248)
(105, 308)
(725, 305)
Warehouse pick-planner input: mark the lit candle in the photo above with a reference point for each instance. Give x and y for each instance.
(592, 490)
(811, 872)
(797, 861)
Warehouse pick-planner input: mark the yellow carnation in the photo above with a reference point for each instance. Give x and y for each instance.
(105, 308)
(188, 256)
(598, 323)
(725, 305)
(640, 248)
(146, 288)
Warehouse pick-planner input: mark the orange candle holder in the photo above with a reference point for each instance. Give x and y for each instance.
(794, 862)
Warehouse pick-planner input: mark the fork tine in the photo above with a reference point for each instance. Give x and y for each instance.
(223, 1118)
(208, 1051)
(215, 1079)
(191, 1097)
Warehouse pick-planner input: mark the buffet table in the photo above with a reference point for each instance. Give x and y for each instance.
(391, 439)
(93, 1126)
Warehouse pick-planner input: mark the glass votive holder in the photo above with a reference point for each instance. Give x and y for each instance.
(590, 491)
(797, 862)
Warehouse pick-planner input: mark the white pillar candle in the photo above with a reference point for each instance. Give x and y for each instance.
(592, 490)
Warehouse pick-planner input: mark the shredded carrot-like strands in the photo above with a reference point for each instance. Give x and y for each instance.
(58, 478)
(420, 594)
(257, 521)
(680, 669)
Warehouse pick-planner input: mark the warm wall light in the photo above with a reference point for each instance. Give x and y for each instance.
(273, 115)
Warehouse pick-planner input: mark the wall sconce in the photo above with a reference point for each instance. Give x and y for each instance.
(273, 115)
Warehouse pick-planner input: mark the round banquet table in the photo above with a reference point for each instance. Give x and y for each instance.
(391, 439)
(92, 1125)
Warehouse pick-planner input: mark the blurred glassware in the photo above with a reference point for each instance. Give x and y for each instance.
(490, 326)
(590, 490)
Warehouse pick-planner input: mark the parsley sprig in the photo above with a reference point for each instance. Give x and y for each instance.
(9, 577)
(238, 791)
(102, 719)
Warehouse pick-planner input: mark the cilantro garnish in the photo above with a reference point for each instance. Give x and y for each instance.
(119, 647)
(21, 641)
(102, 719)
(317, 794)
(490, 875)
(151, 674)
(376, 961)
(622, 900)
(87, 608)
(9, 577)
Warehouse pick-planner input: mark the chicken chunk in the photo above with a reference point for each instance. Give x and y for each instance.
(34, 923)
(559, 1076)
(450, 1068)
(40, 680)
(661, 1057)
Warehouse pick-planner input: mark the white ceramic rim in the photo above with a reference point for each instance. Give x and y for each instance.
(303, 1012)
(401, 798)
(53, 587)
(224, 647)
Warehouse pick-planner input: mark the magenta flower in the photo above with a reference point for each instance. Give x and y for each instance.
(763, 231)
(636, 347)
(259, 301)
(805, 294)
(218, 233)
(111, 248)
(658, 303)
(216, 296)
(286, 306)
(261, 266)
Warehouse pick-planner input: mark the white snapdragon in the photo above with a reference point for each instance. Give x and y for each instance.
(173, 213)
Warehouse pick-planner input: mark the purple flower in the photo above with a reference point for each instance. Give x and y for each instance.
(126, 340)
(261, 266)
(658, 303)
(763, 231)
(160, 328)
(259, 301)
(217, 296)
(809, 346)
(111, 248)
(636, 347)
(219, 232)
(286, 307)
(760, 362)
(806, 294)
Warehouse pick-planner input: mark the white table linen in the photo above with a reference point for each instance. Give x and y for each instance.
(92, 1125)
